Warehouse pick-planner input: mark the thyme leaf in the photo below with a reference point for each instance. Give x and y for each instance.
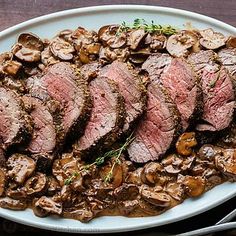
(116, 153)
(148, 27)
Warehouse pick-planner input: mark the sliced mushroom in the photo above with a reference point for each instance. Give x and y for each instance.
(150, 173)
(83, 215)
(53, 186)
(26, 54)
(2, 181)
(16, 192)
(111, 36)
(64, 168)
(62, 49)
(136, 37)
(175, 190)
(208, 152)
(66, 34)
(82, 37)
(20, 167)
(126, 192)
(36, 185)
(127, 207)
(11, 67)
(107, 54)
(12, 204)
(231, 42)
(147, 208)
(160, 199)
(212, 40)
(31, 41)
(194, 185)
(99, 190)
(185, 143)
(158, 42)
(48, 205)
(134, 177)
(178, 44)
(138, 57)
(226, 162)
(172, 164)
(47, 57)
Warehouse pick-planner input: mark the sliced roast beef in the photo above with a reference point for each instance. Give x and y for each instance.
(44, 136)
(107, 116)
(15, 124)
(155, 65)
(218, 99)
(131, 88)
(62, 85)
(202, 59)
(180, 81)
(227, 58)
(157, 130)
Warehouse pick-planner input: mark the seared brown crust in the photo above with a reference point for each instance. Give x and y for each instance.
(17, 111)
(65, 74)
(131, 87)
(112, 135)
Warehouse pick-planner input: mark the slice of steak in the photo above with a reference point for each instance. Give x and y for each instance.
(158, 129)
(218, 99)
(62, 85)
(202, 59)
(44, 136)
(181, 82)
(131, 88)
(107, 117)
(227, 58)
(15, 124)
(156, 64)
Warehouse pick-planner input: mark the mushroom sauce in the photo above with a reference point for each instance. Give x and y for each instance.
(108, 183)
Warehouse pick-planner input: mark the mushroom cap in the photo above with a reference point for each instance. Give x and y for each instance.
(12, 204)
(178, 44)
(160, 199)
(31, 41)
(62, 49)
(226, 162)
(26, 54)
(231, 42)
(110, 35)
(36, 184)
(212, 40)
(185, 143)
(136, 37)
(20, 167)
(194, 185)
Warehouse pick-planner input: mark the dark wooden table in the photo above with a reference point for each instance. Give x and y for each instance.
(16, 11)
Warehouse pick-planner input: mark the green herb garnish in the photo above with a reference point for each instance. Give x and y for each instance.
(116, 154)
(148, 27)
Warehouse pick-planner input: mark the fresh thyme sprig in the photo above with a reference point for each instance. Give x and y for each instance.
(148, 27)
(117, 156)
(116, 153)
